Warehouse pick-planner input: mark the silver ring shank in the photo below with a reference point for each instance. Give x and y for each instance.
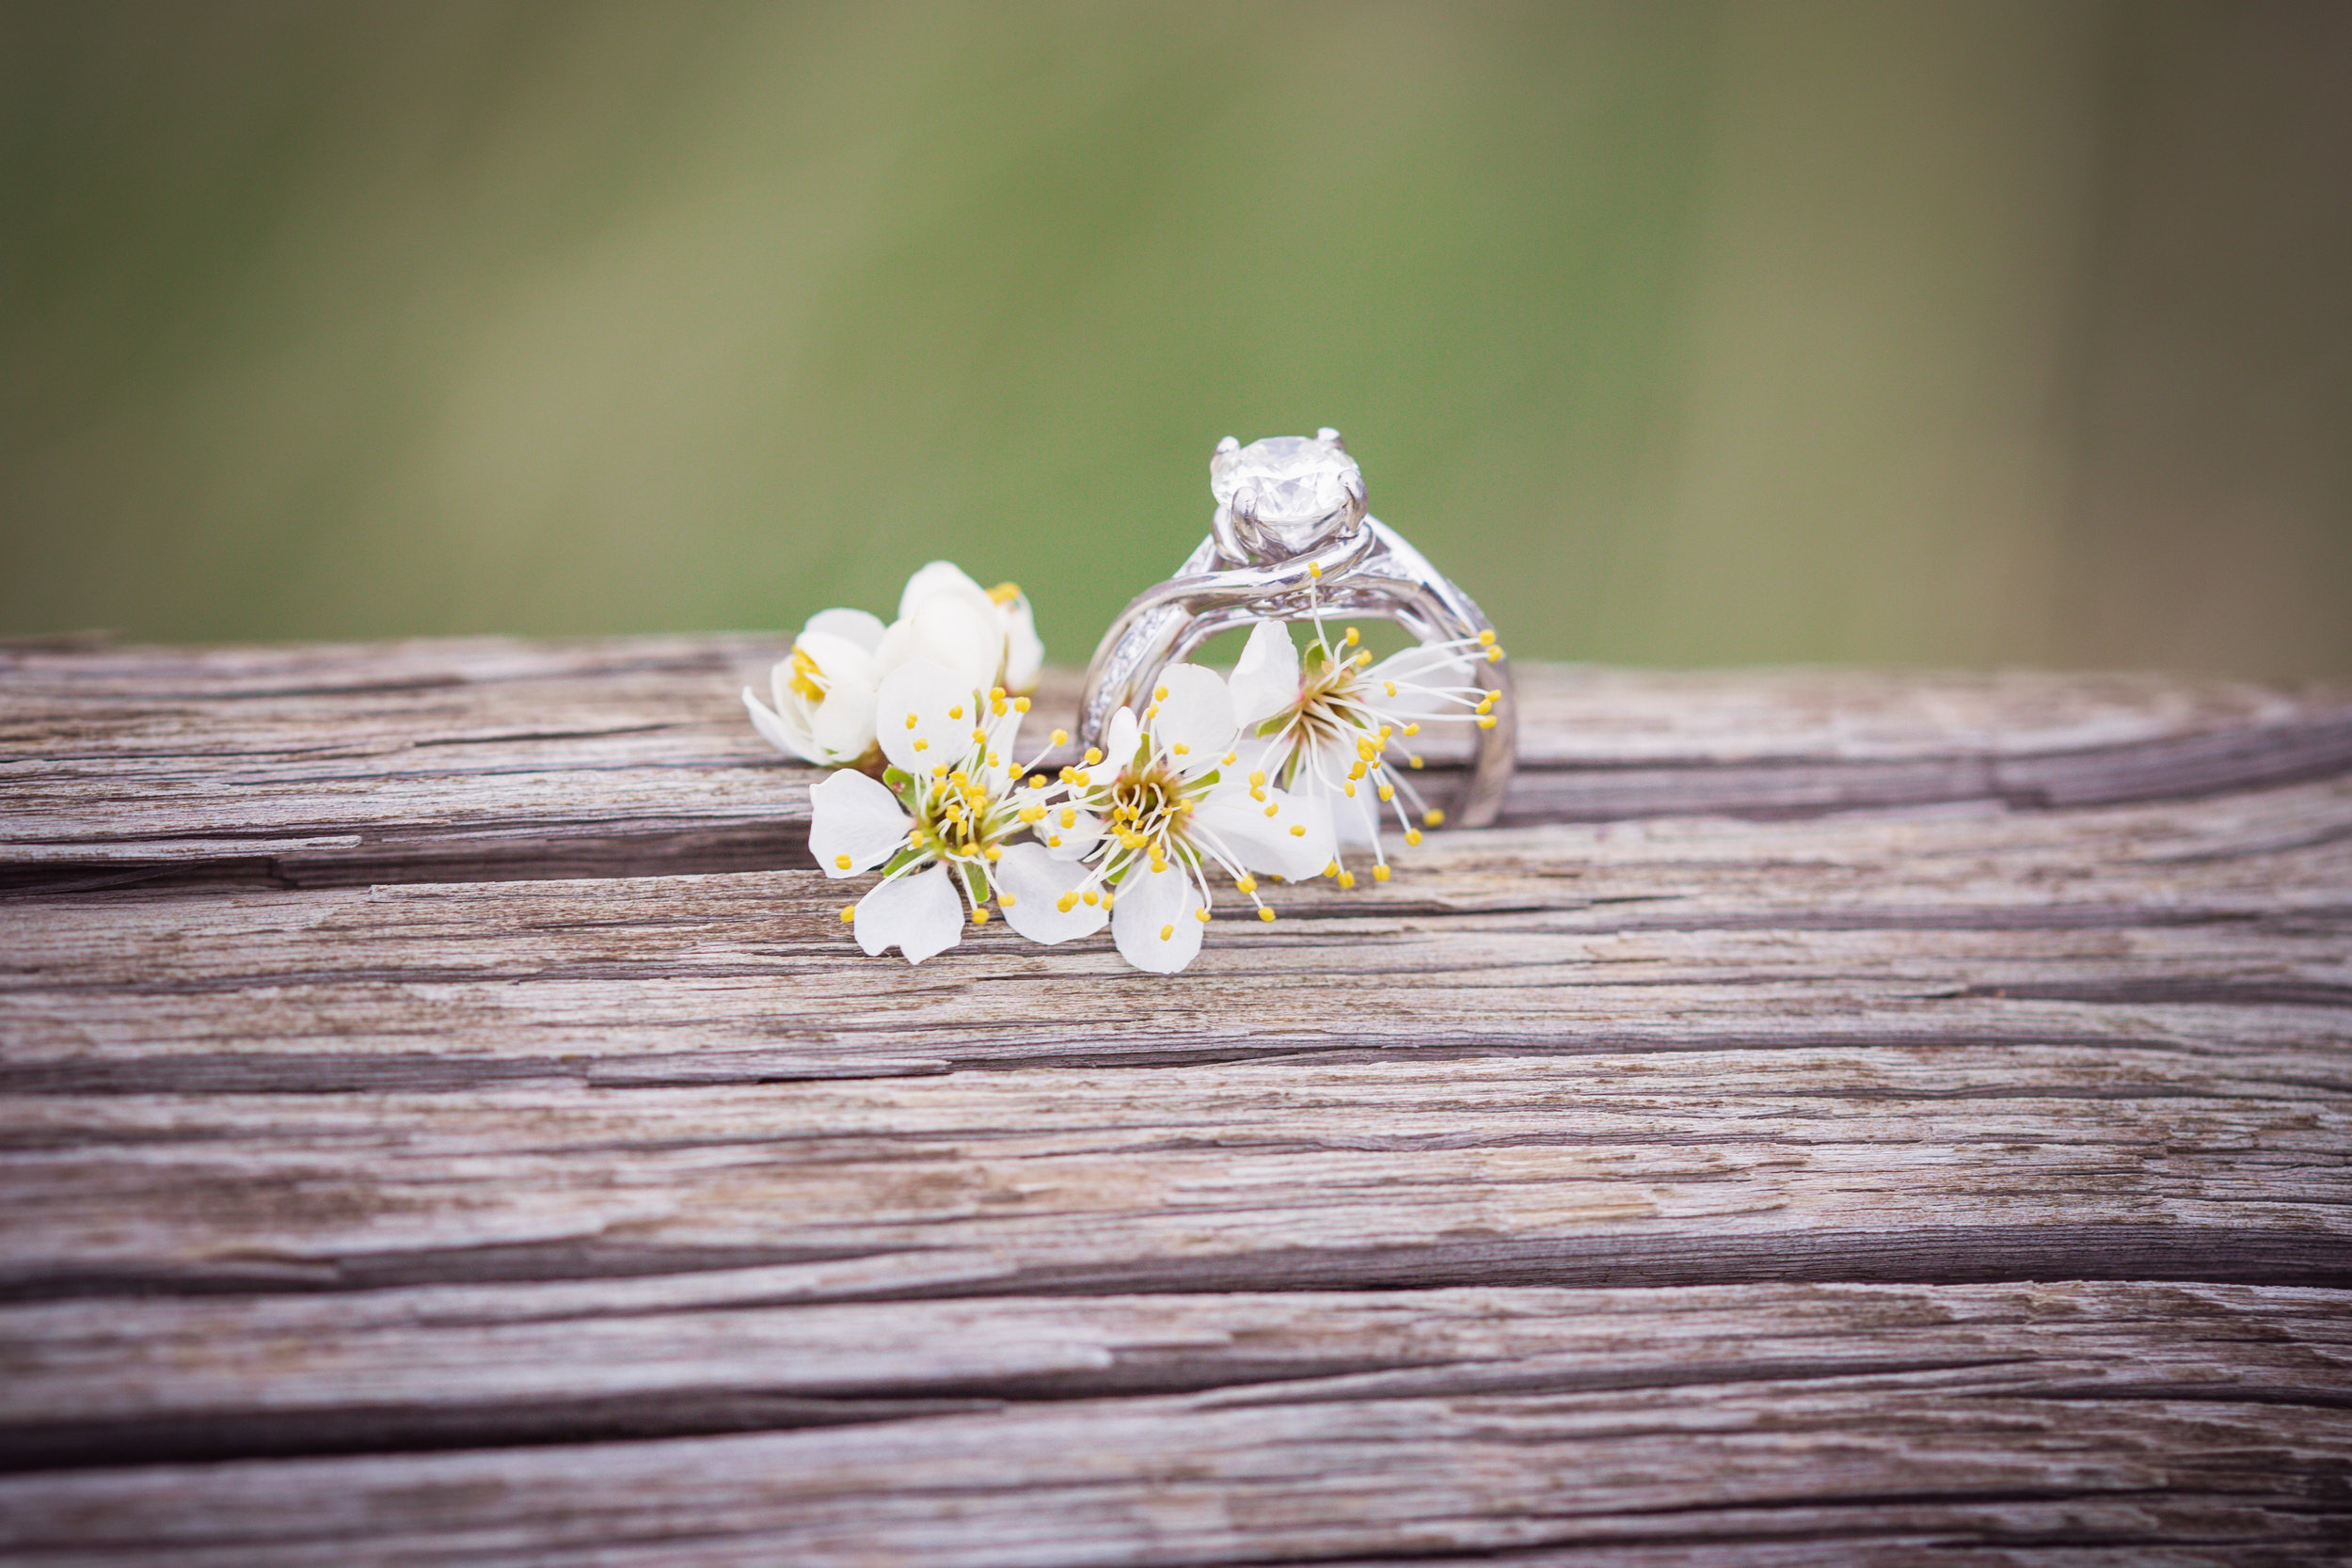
(1373, 572)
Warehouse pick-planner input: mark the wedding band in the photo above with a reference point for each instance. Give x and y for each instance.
(1290, 540)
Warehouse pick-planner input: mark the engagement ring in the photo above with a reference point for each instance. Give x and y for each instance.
(1291, 541)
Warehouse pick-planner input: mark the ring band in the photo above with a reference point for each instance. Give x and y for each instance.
(1290, 539)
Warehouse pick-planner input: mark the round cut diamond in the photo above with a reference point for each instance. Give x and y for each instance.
(1297, 488)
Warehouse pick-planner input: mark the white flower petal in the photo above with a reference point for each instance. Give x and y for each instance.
(786, 734)
(918, 914)
(960, 637)
(1155, 922)
(1068, 844)
(1238, 822)
(836, 658)
(1030, 885)
(855, 820)
(1266, 679)
(1024, 654)
(1197, 714)
(843, 723)
(937, 579)
(859, 626)
(924, 716)
(1421, 667)
(1119, 737)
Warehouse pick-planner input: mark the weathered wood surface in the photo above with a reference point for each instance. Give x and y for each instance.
(1848, 1117)
(465, 759)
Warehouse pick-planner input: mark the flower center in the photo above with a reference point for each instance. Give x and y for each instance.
(806, 678)
(1147, 805)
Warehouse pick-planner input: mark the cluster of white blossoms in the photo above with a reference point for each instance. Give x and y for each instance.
(824, 695)
(1214, 782)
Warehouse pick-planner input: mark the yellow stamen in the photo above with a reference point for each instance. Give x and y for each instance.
(1201, 914)
(1347, 880)
(911, 720)
(1313, 571)
(1246, 885)
(1094, 754)
(1160, 694)
(849, 913)
(1351, 638)
(1379, 873)
(1435, 818)
(956, 712)
(1004, 593)
(979, 916)
(1167, 931)
(1412, 836)
(1061, 737)
(1274, 811)
(921, 744)
(842, 862)
(1005, 899)
(1485, 640)
(1264, 913)
(1067, 902)
(1298, 830)
(1093, 900)
(1021, 704)
(1486, 720)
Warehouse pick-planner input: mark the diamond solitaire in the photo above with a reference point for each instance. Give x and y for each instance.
(1286, 494)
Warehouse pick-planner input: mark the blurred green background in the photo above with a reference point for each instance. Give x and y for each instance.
(1976, 333)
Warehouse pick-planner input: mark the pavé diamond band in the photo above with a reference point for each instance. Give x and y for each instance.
(1290, 539)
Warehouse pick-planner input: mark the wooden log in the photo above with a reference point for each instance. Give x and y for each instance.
(468, 759)
(1940, 1143)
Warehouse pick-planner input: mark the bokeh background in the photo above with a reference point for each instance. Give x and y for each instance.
(1978, 333)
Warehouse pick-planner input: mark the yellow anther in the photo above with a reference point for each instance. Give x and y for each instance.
(1079, 776)
(1363, 660)
(1230, 758)
(1005, 899)
(1061, 737)
(1387, 792)
(842, 862)
(1412, 836)
(956, 712)
(994, 854)
(1037, 780)
(1106, 902)
(1053, 841)
(911, 720)
(1356, 768)
(978, 736)
(1151, 713)
(1246, 885)
(1351, 638)
(1094, 754)
(938, 772)
(1435, 818)
(1256, 792)
(1391, 686)
(996, 761)
(1298, 830)
(1264, 913)
(1257, 776)
(1363, 748)
(1347, 880)
(1413, 761)
(921, 744)
(1485, 640)
(1494, 656)
(1273, 809)
(1068, 816)
(1093, 898)
(1067, 902)
(1349, 785)
(1182, 750)
(1380, 873)
(1167, 931)
(1386, 730)
(996, 693)
(1412, 729)
(1486, 703)
(1021, 704)
(1487, 721)
(1004, 593)
(1032, 813)
(849, 913)
(1331, 870)
(1313, 571)
(1201, 914)
(1159, 694)
(979, 916)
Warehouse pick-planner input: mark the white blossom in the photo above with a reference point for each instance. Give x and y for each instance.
(1153, 817)
(1325, 725)
(937, 823)
(822, 697)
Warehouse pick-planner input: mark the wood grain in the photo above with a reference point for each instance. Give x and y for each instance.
(467, 759)
(1848, 1117)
